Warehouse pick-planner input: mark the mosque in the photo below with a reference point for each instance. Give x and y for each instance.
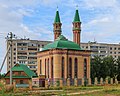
(64, 59)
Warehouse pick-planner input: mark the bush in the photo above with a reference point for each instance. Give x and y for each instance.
(9, 88)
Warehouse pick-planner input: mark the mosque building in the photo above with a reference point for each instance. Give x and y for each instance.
(64, 59)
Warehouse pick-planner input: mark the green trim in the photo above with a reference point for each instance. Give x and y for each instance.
(57, 17)
(76, 28)
(76, 18)
(17, 77)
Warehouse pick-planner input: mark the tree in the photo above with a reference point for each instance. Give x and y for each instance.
(2, 75)
(103, 67)
(95, 67)
(118, 68)
(110, 69)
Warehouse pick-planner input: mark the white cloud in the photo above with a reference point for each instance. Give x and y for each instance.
(100, 3)
(12, 13)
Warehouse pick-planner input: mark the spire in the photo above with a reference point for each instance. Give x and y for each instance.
(57, 17)
(76, 18)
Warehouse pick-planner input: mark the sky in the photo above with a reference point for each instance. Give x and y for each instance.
(34, 19)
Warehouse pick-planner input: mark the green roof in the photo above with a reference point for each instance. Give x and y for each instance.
(22, 67)
(62, 43)
(76, 18)
(57, 17)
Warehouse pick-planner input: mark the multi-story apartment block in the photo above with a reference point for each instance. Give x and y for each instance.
(24, 51)
(102, 49)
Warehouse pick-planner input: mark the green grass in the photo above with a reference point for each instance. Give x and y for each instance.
(81, 91)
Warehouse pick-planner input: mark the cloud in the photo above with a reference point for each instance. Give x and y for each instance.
(12, 15)
(100, 3)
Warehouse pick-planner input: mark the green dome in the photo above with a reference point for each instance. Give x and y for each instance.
(62, 43)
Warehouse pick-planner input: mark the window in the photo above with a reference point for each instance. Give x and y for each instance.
(76, 68)
(52, 67)
(115, 48)
(70, 68)
(40, 66)
(19, 73)
(32, 53)
(110, 48)
(42, 46)
(85, 68)
(56, 26)
(45, 67)
(21, 81)
(48, 68)
(62, 68)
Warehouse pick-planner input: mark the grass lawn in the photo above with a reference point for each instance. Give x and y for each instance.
(107, 90)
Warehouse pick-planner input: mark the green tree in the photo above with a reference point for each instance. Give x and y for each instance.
(109, 67)
(118, 68)
(103, 67)
(95, 67)
(2, 75)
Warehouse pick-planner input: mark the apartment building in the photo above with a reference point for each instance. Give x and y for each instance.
(102, 49)
(24, 51)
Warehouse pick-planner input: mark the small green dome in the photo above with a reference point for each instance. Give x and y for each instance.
(62, 43)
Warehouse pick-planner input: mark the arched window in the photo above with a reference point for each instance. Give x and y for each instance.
(45, 68)
(85, 68)
(62, 68)
(70, 68)
(52, 67)
(40, 66)
(56, 26)
(76, 68)
(48, 67)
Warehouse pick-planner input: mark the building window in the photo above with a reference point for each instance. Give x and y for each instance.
(52, 67)
(45, 67)
(42, 46)
(70, 68)
(76, 68)
(48, 68)
(40, 66)
(62, 68)
(115, 48)
(110, 48)
(85, 68)
(14, 62)
(21, 81)
(19, 73)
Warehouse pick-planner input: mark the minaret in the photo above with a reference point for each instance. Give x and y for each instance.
(76, 28)
(57, 25)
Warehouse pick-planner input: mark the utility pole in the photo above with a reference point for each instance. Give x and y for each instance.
(10, 38)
